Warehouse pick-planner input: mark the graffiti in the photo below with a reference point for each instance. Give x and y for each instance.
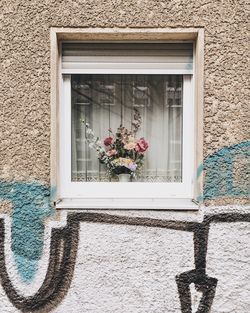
(64, 245)
(31, 206)
(31, 201)
(226, 173)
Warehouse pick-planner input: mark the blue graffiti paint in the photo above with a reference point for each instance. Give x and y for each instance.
(219, 172)
(31, 206)
(199, 170)
(26, 267)
(31, 203)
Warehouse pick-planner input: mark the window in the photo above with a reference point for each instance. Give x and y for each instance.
(104, 84)
(108, 101)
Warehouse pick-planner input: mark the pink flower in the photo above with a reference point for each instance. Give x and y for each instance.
(141, 145)
(130, 145)
(111, 152)
(108, 141)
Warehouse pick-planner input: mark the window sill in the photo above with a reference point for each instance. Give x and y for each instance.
(127, 204)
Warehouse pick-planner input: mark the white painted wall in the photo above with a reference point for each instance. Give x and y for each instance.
(132, 269)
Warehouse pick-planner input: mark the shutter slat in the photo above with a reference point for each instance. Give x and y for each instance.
(91, 57)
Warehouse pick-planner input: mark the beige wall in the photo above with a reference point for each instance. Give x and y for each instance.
(25, 69)
(128, 262)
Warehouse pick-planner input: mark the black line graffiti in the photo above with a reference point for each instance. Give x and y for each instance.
(63, 250)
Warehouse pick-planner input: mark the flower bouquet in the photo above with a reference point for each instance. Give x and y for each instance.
(121, 152)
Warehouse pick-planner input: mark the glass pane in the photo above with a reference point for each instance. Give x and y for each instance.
(108, 101)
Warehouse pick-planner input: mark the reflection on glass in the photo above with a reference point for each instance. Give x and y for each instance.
(107, 101)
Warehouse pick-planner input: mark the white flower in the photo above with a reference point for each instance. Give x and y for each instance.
(89, 131)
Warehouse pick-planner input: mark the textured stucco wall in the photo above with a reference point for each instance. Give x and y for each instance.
(25, 69)
(121, 268)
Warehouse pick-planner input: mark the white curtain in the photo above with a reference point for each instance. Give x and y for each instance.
(106, 101)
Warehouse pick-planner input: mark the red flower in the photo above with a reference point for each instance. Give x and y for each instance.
(108, 141)
(141, 145)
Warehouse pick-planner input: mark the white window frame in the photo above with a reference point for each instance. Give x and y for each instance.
(131, 190)
(59, 35)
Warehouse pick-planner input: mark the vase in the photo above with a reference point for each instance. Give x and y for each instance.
(124, 178)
